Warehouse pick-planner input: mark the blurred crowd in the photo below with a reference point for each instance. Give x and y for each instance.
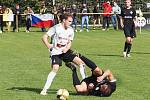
(82, 14)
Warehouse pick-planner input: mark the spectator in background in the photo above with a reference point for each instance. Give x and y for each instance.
(96, 16)
(8, 12)
(106, 15)
(62, 11)
(116, 10)
(55, 13)
(28, 13)
(43, 10)
(1, 19)
(17, 12)
(84, 11)
(74, 13)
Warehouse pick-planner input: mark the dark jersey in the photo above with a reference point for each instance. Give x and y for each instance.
(96, 90)
(128, 15)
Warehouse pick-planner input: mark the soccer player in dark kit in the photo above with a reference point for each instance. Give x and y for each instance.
(128, 20)
(100, 83)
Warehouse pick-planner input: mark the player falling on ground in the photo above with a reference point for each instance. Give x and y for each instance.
(100, 83)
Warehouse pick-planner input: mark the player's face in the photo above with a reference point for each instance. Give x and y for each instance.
(68, 22)
(128, 3)
(104, 88)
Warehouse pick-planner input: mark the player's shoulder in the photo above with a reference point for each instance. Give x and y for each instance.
(57, 25)
(132, 9)
(70, 29)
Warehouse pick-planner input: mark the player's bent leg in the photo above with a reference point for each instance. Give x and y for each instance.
(79, 62)
(128, 39)
(55, 68)
(88, 62)
(71, 65)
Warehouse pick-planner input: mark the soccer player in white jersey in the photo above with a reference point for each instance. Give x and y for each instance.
(62, 35)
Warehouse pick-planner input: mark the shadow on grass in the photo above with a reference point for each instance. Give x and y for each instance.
(36, 90)
(141, 53)
(107, 55)
(76, 94)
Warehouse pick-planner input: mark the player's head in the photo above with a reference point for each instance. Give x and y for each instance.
(127, 3)
(108, 2)
(67, 19)
(106, 89)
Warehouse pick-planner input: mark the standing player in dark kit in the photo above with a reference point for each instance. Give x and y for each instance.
(128, 22)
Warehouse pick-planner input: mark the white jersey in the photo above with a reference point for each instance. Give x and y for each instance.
(116, 10)
(60, 38)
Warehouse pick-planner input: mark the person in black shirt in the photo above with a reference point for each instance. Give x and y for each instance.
(128, 22)
(100, 83)
(17, 11)
(74, 13)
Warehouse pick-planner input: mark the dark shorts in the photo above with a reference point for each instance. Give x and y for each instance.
(66, 57)
(129, 31)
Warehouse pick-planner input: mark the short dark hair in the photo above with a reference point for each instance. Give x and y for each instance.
(65, 16)
(108, 91)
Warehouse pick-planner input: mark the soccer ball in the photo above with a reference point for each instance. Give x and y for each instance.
(62, 94)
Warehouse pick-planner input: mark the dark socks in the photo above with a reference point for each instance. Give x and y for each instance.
(125, 46)
(88, 62)
(75, 78)
(129, 48)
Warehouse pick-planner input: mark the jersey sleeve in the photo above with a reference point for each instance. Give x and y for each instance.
(113, 86)
(51, 31)
(134, 13)
(122, 12)
(71, 34)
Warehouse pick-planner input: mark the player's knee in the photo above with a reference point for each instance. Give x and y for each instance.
(97, 71)
(128, 40)
(55, 68)
(78, 61)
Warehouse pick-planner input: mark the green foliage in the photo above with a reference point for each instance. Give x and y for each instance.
(24, 65)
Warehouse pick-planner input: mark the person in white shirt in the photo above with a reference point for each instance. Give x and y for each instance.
(116, 10)
(62, 35)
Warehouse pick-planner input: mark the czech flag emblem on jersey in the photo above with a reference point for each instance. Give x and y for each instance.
(42, 20)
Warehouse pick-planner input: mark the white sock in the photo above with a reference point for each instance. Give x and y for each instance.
(82, 71)
(49, 81)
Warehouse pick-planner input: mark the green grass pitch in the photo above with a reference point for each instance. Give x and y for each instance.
(24, 65)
